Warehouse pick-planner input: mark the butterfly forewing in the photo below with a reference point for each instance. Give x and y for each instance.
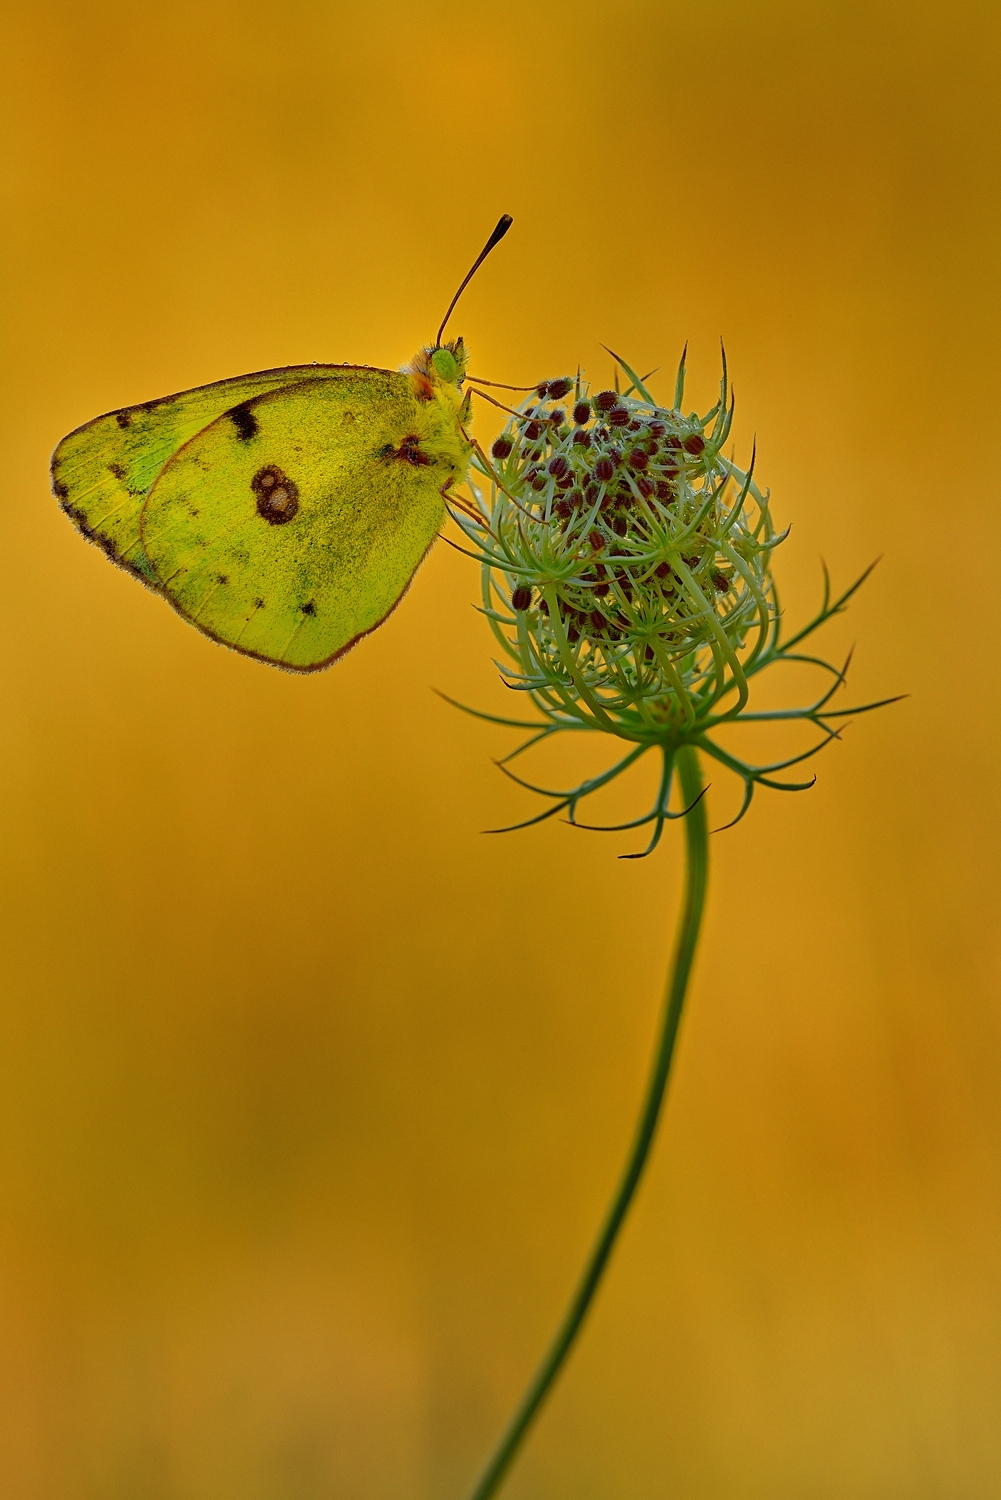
(293, 527)
(103, 471)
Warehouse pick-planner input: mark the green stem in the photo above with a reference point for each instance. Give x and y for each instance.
(697, 871)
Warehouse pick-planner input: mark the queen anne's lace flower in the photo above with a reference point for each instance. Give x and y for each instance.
(627, 576)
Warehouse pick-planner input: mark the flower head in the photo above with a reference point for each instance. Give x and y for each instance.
(626, 565)
(630, 560)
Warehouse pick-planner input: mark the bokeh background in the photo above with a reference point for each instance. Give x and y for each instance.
(310, 1095)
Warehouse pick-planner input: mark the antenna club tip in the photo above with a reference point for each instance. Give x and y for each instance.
(503, 225)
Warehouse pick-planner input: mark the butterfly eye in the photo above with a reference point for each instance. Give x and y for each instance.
(445, 364)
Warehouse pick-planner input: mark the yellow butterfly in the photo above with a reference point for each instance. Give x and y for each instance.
(283, 513)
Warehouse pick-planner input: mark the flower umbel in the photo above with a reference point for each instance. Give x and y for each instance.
(626, 566)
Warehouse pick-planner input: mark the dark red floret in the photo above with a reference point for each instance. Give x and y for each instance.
(542, 391)
(563, 509)
(638, 459)
(521, 598)
(663, 571)
(582, 438)
(604, 469)
(620, 525)
(559, 388)
(605, 400)
(645, 486)
(619, 416)
(533, 431)
(582, 412)
(558, 465)
(501, 448)
(664, 491)
(695, 443)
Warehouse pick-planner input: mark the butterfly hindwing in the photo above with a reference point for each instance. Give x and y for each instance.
(103, 471)
(292, 528)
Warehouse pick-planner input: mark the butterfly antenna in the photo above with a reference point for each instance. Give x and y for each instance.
(503, 225)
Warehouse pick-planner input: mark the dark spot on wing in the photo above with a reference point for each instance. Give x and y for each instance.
(409, 450)
(309, 609)
(104, 542)
(258, 603)
(221, 578)
(277, 495)
(117, 470)
(123, 418)
(244, 421)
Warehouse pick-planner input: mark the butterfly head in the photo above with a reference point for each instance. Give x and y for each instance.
(439, 371)
(449, 362)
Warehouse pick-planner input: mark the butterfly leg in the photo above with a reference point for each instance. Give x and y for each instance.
(461, 503)
(503, 488)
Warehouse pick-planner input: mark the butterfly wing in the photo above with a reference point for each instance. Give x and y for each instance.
(102, 472)
(292, 530)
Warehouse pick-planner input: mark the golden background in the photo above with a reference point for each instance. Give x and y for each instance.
(310, 1095)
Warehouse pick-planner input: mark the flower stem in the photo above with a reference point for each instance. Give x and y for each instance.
(697, 871)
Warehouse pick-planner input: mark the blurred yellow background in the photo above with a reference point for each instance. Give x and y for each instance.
(311, 1096)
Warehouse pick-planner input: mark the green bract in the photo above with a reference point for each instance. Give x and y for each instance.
(627, 577)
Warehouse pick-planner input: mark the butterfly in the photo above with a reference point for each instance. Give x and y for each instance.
(282, 513)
